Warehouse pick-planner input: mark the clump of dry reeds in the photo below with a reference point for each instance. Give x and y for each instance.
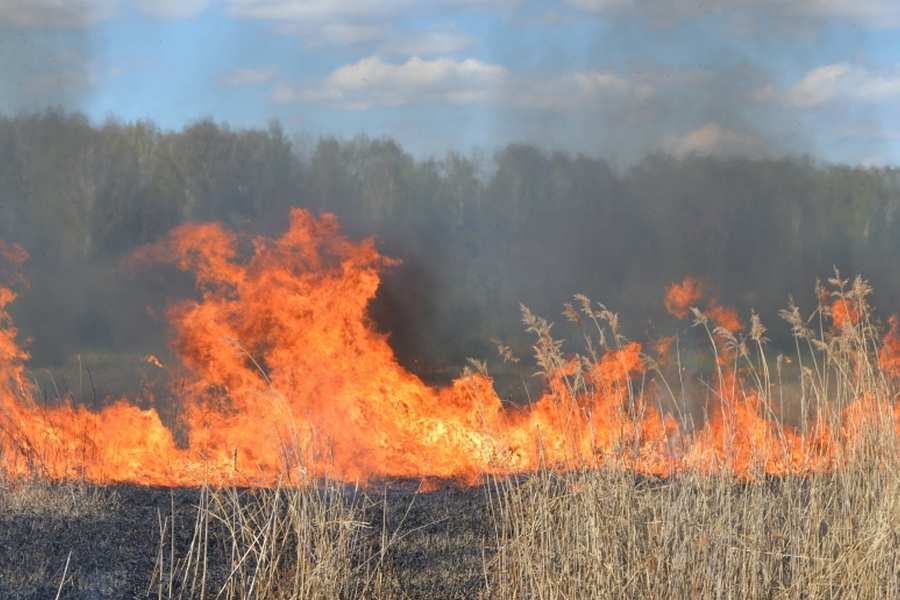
(311, 542)
(38, 497)
(610, 533)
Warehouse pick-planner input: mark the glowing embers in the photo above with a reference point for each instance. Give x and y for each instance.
(286, 380)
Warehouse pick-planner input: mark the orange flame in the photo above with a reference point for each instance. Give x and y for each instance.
(723, 317)
(842, 313)
(681, 297)
(287, 379)
(889, 355)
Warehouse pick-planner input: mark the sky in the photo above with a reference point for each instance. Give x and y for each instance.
(618, 79)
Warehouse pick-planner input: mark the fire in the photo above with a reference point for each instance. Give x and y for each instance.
(680, 297)
(889, 356)
(286, 380)
(723, 316)
(842, 313)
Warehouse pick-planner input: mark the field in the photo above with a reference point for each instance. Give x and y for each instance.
(595, 535)
(310, 465)
(84, 541)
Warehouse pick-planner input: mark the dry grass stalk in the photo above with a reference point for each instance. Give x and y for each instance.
(68, 499)
(602, 532)
(608, 533)
(299, 543)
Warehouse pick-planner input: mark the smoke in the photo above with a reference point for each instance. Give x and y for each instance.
(48, 55)
(476, 237)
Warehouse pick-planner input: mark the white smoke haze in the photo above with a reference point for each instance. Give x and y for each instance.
(875, 13)
(300, 11)
(616, 80)
(712, 140)
(62, 14)
(611, 78)
(172, 9)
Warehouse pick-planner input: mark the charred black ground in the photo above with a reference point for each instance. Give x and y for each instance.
(436, 544)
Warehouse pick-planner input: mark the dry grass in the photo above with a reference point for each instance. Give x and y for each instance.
(605, 533)
(37, 497)
(595, 532)
(298, 543)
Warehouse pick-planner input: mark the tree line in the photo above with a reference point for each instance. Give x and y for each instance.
(477, 235)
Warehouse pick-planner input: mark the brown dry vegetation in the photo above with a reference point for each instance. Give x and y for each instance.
(600, 532)
(608, 533)
(124, 542)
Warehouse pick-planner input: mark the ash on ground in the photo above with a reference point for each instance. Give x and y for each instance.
(104, 543)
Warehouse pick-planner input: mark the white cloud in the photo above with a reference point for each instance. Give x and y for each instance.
(300, 10)
(817, 87)
(304, 11)
(877, 88)
(873, 161)
(434, 41)
(54, 13)
(242, 77)
(834, 84)
(372, 82)
(172, 9)
(876, 13)
(551, 16)
(711, 139)
(598, 5)
(352, 34)
(439, 40)
(325, 23)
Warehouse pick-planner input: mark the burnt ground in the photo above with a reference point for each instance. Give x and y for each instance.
(110, 538)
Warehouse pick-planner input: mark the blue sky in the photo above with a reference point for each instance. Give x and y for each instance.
(610, 78)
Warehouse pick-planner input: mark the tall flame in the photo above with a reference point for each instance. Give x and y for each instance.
(288, 380)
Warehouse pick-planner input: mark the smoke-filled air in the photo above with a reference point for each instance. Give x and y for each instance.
(281, 346)
(449, 300)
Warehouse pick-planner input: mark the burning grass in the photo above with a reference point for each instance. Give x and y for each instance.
(282, 378)
(754, 507)
(640, 472)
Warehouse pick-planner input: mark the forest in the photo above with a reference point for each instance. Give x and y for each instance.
(476, 235)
